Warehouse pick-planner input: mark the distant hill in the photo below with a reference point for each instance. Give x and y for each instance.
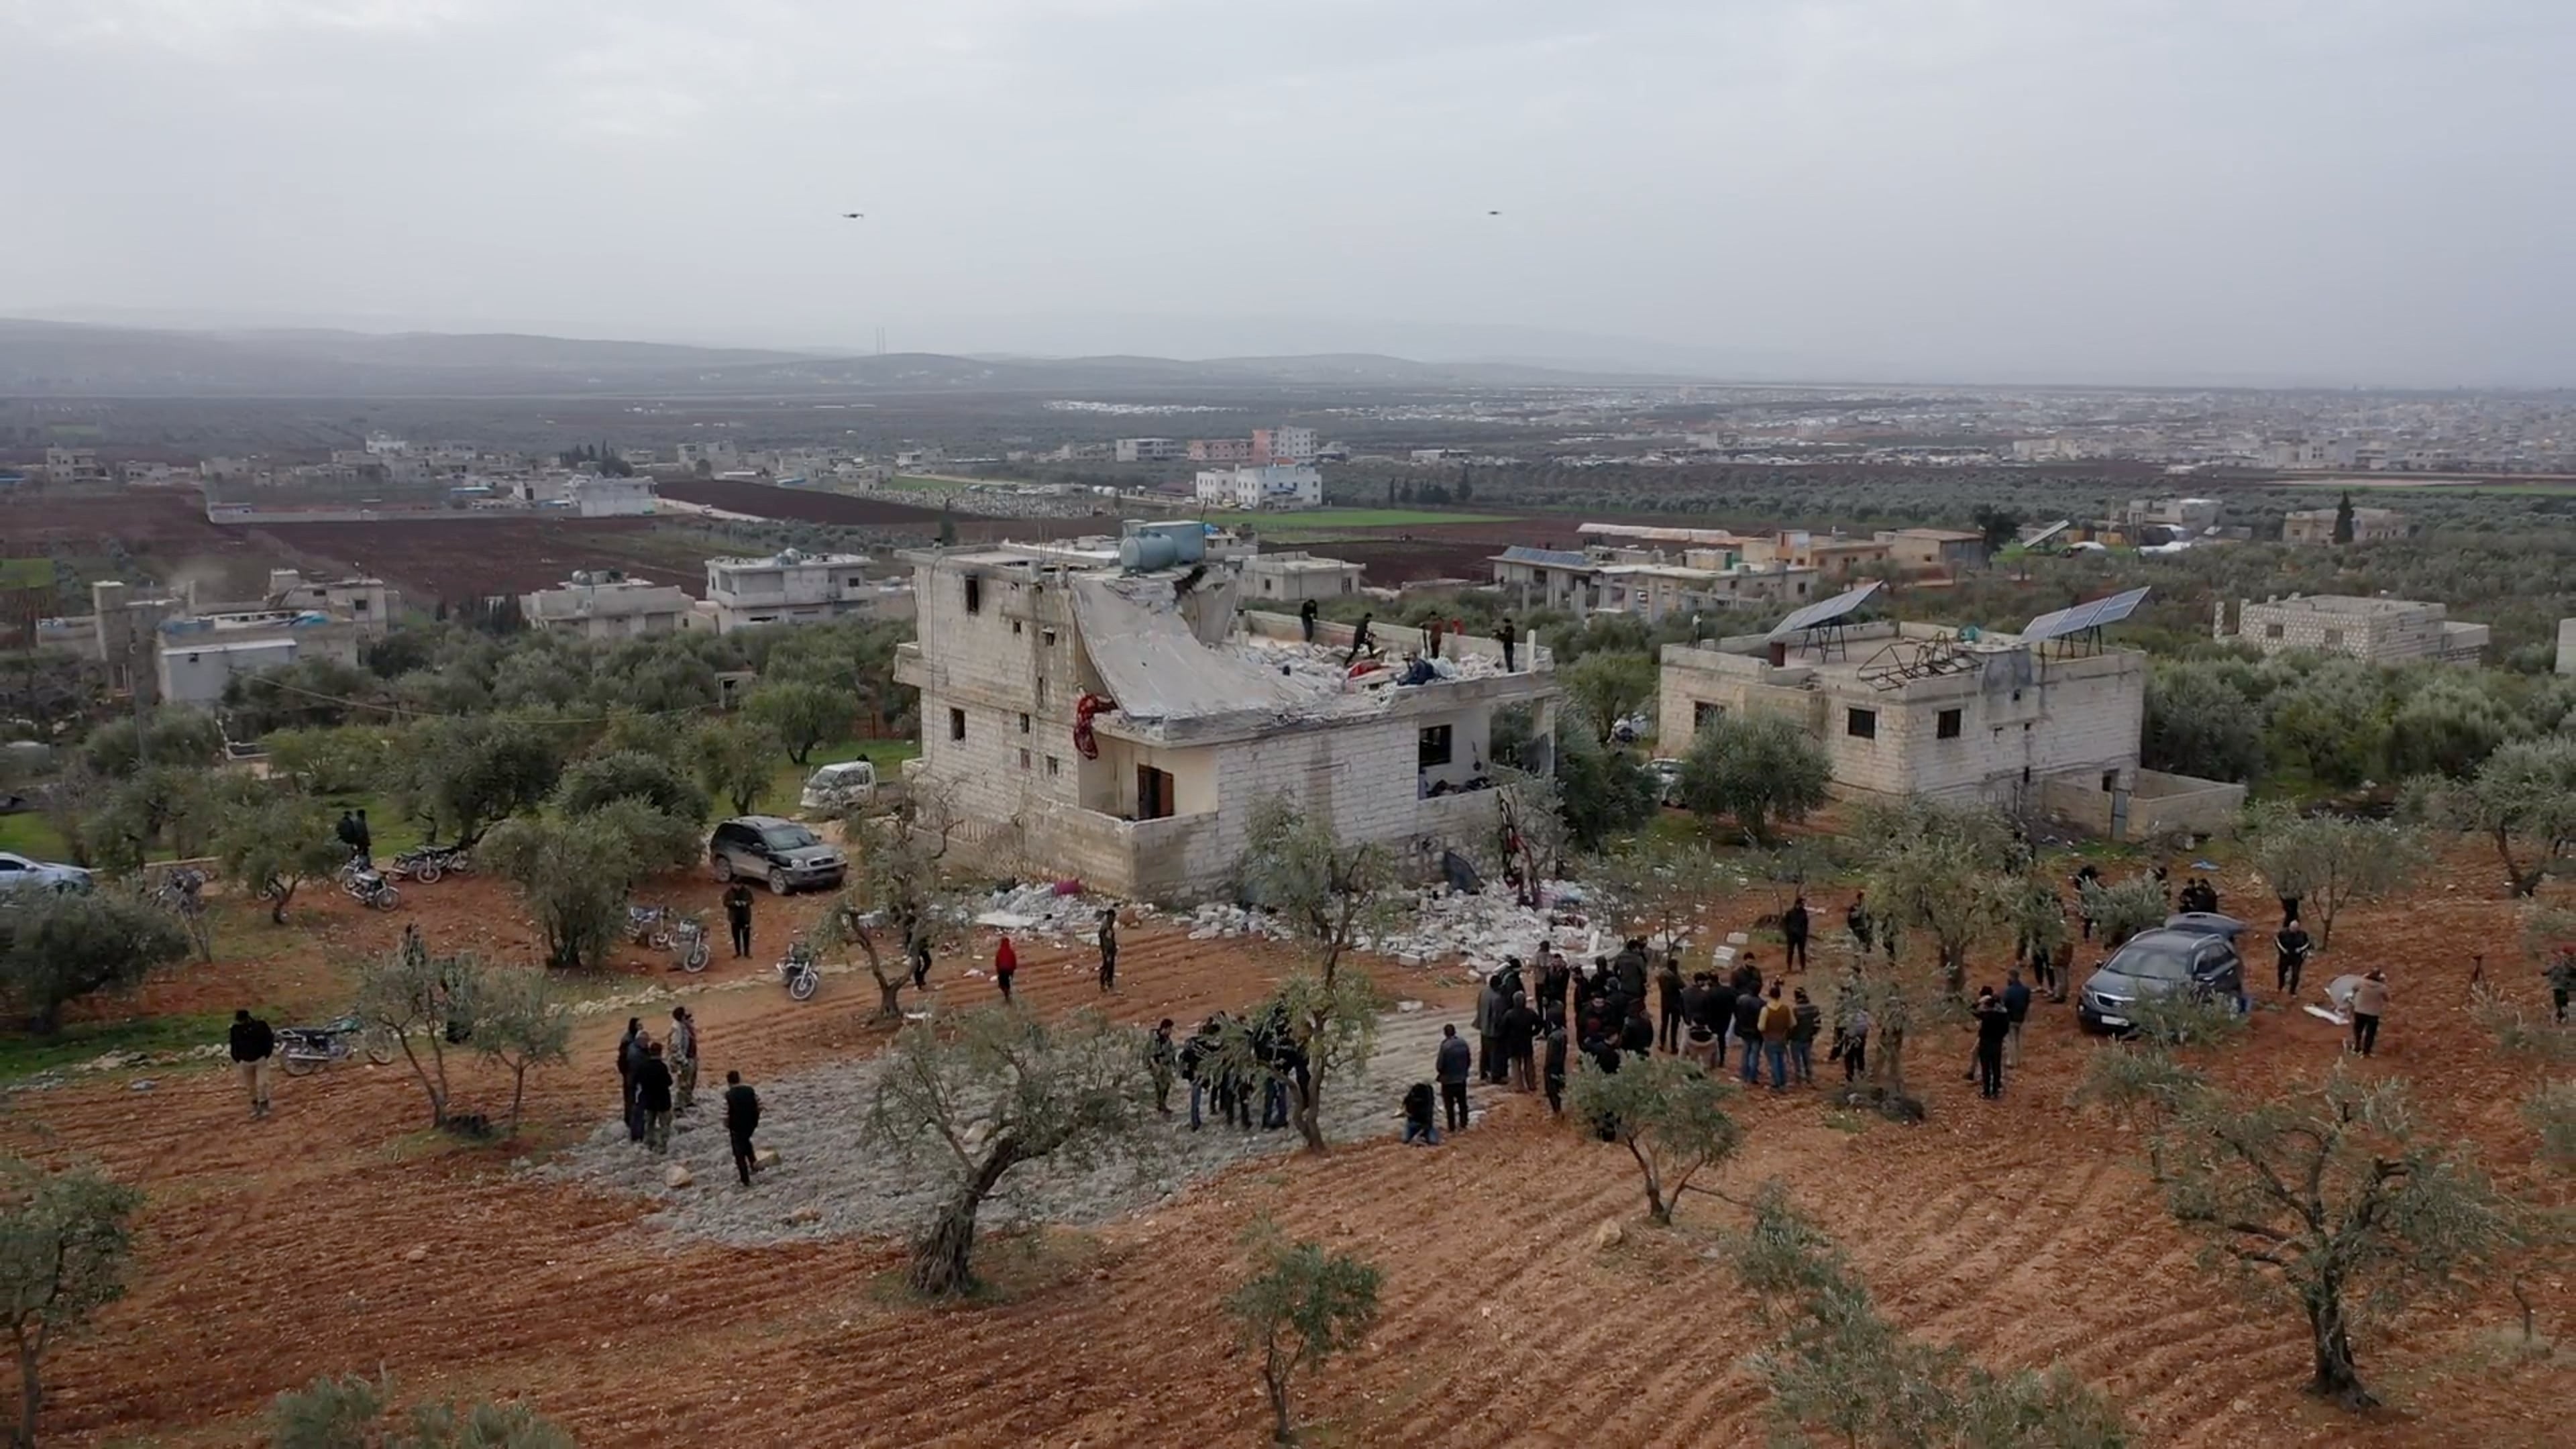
(63, 359)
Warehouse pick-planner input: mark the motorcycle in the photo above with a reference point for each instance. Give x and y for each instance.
(799, 971)
(304, 1050)
(427, 863)
(364, 883)
(664, 928)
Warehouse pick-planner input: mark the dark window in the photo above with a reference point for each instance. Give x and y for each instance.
(1024, 724)
(1153, 793)
(2271, 631)
(2110, 781)
(1054, 765)
(1434, 748)
(1041, 689)
(1705, 713)
(957, 724)
(1861, 724)
(1047, 637)
(974, 595)
(1947, 726)
(1024, 759)
(1015, 626)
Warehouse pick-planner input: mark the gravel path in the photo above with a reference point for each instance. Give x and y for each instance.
(826, 1184)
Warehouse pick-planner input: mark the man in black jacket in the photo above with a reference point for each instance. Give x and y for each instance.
(1793, 929)
(1994, 1024)
(1306, 619)
(742, 1118)
(653, 1099)
(2292, 944)
(1451, 1067)
(1720, 1012)
(2016, 999)
(1520, 1037)
(737, 909)
(254, 1046)
(630, 1056)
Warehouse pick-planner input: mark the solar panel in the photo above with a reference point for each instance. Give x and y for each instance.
(1827, 611)
(2097, 614)
(2044, 535)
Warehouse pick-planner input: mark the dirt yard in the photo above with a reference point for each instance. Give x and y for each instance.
(338, 1236)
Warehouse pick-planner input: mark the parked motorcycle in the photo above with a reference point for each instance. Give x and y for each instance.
(304, 1050)
(362, 883)
(800, 972)
(426, 863)
(667, 928)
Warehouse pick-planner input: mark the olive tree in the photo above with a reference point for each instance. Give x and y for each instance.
(523, 1021)
(1836, 1367)
(896, 900)
(429, 1004)
(1326, 896)
(734, 758)
(465, 773)
(1755, 769)
(2152, 1074)
(2123, 910)
(2523, 798)
(996, 1090)
(801, 713)
(1299, 1306)
(1609, 686)
(58, 947)
(65, 1238)
(575, 871)
(2331, 1199)
(2330, 861)
(358, 1413)
(2200, 723)
(1899, 1000)
(631, 775)
(1940, 868)
(273, 841)
(1668, 1113)
(1663, 882)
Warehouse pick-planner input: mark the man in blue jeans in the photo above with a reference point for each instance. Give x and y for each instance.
(1418, 1126)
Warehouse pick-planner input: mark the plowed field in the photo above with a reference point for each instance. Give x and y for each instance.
(337, 1237)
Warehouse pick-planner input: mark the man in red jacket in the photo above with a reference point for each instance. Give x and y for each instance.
(1006, 964)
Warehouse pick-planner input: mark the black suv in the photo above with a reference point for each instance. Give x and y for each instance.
(2190, 957)
(781, 853)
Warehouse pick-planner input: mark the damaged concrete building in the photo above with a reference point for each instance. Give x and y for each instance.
(2045, 723)
(1108, 710)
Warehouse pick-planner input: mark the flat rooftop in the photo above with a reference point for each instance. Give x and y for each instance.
(2350, 604)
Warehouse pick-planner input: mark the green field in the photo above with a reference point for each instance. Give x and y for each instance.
(1312, 519)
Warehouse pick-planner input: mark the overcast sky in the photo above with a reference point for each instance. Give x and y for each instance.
(2079, 190)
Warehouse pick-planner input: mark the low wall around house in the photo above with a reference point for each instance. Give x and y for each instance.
(2160, 804)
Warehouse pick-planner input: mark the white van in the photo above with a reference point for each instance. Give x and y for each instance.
(839, 787)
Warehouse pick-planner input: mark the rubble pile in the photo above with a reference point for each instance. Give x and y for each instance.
(1057, 910)
(1441, 925)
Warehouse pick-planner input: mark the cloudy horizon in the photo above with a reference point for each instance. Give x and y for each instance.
(2145, 191)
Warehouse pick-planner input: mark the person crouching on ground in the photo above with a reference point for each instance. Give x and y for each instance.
(1418, 1123)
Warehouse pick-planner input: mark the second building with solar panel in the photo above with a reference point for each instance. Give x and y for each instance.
(2044, 723)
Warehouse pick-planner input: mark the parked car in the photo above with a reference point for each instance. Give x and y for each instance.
(781, 853)
(1668, 780)
(21, 873)
(2206, 923)
(2155, 963)
(835, 788)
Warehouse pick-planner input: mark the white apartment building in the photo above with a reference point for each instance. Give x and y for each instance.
(786, 588)
(75, 466)
(1265, 485)
(595, 496)
(717, 456)
(1121, 726)
(1283, 445)
(2048, 727)
(2375, 631)
(1152, 450)
(607, 605)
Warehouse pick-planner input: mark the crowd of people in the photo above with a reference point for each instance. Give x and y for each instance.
(658, 1080)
